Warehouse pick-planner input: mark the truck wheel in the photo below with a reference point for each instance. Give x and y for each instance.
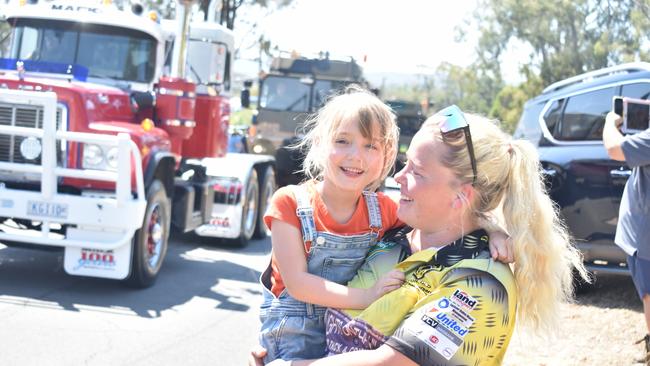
(249, 211)
(151, 240)
(267, 188)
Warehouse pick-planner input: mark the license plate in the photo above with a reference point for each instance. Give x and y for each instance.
(47, 209)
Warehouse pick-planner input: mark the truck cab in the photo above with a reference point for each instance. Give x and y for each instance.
(294, 88)
(114, 131)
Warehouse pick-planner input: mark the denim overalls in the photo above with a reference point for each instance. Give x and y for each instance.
(292, 329)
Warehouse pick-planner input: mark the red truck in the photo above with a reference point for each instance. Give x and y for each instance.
(114, 131)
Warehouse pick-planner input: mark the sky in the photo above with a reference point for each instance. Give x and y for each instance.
(409, 36)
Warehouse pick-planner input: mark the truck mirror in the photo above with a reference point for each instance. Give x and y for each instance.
(245, 98)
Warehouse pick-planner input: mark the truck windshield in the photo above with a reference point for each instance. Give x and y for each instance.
(284, 94)
(107, 52)
(291, 94)
(323, 89)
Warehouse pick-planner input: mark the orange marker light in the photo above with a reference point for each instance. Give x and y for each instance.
(147, 124)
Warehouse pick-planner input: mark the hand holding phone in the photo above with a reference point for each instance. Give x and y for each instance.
(635, 113)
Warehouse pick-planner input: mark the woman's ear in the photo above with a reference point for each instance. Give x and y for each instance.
(457, 202)
(464, 196)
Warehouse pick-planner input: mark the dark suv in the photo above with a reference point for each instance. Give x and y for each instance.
(566, 122)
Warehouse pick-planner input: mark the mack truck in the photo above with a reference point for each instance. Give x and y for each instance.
(114, 131)
(293, 88)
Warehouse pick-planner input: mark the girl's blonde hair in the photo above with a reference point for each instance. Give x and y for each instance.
(360, 105)
(509, 172)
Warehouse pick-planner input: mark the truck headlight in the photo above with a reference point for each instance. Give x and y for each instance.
(111, 158)
(93, 156)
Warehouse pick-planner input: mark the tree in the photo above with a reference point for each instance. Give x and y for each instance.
(567, 37)
(227, 8)
(509, 102)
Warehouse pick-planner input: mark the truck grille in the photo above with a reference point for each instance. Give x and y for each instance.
(30, 117)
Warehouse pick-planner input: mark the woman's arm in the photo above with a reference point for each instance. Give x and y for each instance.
(289, 252)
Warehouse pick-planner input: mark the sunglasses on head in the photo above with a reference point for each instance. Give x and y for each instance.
(452, 126)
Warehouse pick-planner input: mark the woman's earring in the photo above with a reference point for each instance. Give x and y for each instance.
(457, 202)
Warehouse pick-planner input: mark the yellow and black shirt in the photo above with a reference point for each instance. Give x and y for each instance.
(456, 307)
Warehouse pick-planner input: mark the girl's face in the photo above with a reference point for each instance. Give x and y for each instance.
(353, 161)
(427, 190)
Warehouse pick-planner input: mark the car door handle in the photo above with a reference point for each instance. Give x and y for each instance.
(620, 173)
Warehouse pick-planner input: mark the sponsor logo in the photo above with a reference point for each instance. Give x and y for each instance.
(75, 8)
(6, 203)
(447, 352)
(441, 305)
(220, 221)
(451, 324)
(465, 298)
(433, 339)
(95, 258)
(429, 321)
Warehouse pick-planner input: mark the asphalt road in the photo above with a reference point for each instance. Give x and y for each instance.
(202, 310)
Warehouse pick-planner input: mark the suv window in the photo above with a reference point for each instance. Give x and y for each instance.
(528, 127)
(553, 115)
(584, 116)
(637, 90)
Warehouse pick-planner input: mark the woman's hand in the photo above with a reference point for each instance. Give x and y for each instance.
(256, 358)
(386, 283)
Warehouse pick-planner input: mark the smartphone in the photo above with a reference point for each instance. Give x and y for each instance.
(635, 113)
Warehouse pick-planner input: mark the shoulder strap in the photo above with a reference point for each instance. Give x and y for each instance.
(374, 212)
(305, 212)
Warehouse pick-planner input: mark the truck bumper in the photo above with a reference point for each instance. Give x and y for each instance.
(97, 226)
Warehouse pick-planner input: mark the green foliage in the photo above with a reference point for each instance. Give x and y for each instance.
(242, 117)
(566, 38)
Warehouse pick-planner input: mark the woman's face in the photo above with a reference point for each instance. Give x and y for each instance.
(427, 190)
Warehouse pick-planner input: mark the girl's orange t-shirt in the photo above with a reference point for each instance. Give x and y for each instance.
(283, 207)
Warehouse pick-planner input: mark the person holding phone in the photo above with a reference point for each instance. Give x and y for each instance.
(633, 231)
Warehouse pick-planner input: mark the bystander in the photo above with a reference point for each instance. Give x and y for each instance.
(633, 229)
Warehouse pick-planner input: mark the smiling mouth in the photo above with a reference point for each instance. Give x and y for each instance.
(405, 198)
(352, 171)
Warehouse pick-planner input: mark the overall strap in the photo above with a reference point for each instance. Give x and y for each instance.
(305, 213)
(374, 214)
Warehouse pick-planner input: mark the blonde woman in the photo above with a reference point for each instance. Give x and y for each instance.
(457, 305)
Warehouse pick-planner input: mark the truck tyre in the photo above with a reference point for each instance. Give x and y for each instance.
(267, 187)
(249, 211)
(151, 240)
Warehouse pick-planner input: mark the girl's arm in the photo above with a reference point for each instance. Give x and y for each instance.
(501, 246)
(289, 252)
(383, 355)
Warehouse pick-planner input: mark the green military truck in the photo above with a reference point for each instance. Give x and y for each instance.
(294, 88)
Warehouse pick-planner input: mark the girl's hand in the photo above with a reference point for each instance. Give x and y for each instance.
(256, 358)
(501, 247)
(388, 282)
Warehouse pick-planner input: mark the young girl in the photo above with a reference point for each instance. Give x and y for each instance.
(322, 229)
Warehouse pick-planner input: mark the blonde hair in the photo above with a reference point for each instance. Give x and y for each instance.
(509, 170)
(364, 107)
